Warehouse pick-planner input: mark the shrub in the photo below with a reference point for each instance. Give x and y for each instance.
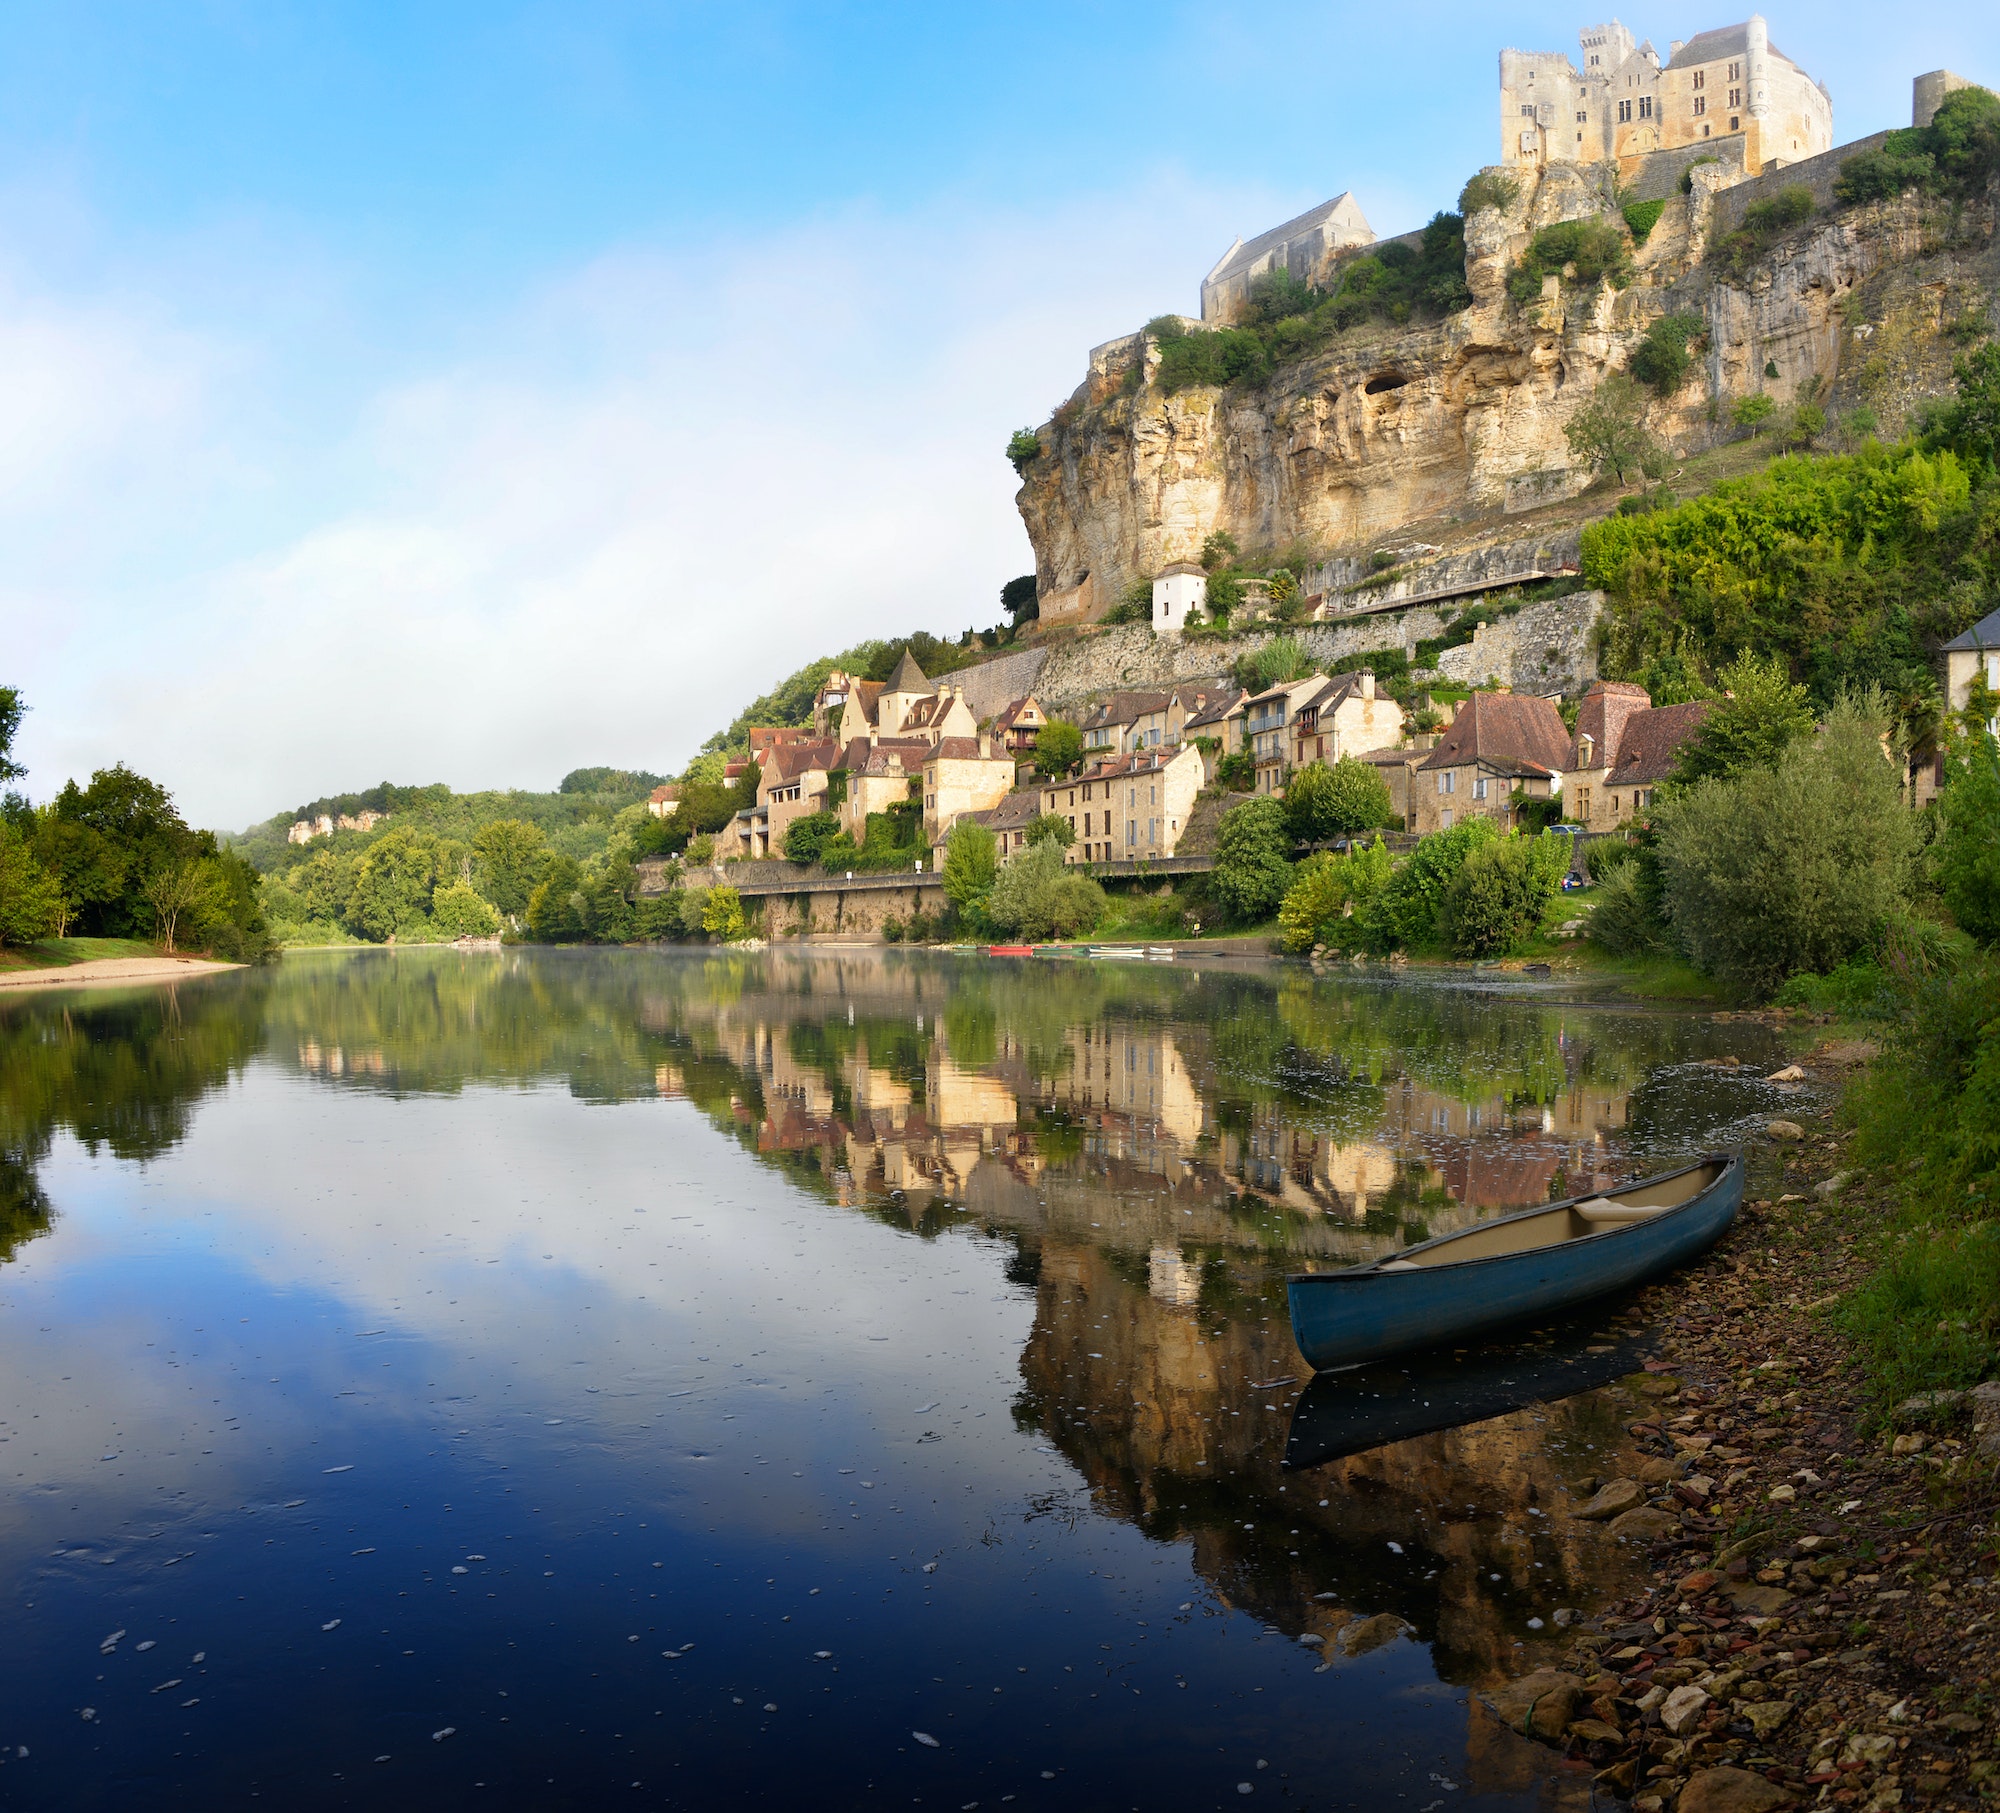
(1323, 802)
(1023, 445)
(1280, 659)
(722, 915)
(1051, 828)
(1662, 359)
(1603, 854)
(1415, 896)
(1489, 189)
(1496, 900)
(1252, 859)
(1038, 895)
(1762, 715)
(1334, 900)
(970, 863)
(1928, 1319)
(1969, 424)
(1642, 217)
(1609, 430)
(1623, 920)
(1218, 549)
(1788, 868)
(1223, 594)
(1764, 223)
(807, 837)
(1957, 154)
(1018, 598)
(1058, 747)
(1965, 860)
(457, 912)
(1594, 251)
(1217, 356)
(1237, 773)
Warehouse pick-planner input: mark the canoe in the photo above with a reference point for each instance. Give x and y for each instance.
(1521, 1266)
(1010, 950)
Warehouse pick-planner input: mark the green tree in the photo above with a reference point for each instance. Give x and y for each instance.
(807, 837)
(554, 909)
(1662, 359)
(509, 857)
(1762, 714)
(1753, 411)
(1023, 445)
(1411, 909)
(1609, 433)
(181, 891)
(1495, 902)
(1058, 747)
(1051, 828)
(28, 893)
(1966, 857)
(1792, 867)
(458, 912)
(137, 819)
(87, 869)
(1218, 549)
(1020, 600)
(1969, 425)
(1252, 859)
(970, 862)
(393, 883)
(1038, 895)
(1323, 802)
(722, 915)
(1332, 900)
(11, 712)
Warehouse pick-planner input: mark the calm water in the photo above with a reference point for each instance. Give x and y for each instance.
(552, 1379)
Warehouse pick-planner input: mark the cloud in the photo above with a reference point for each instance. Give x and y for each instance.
(617, 507)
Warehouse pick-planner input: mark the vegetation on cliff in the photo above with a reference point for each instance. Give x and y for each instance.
(1955, 156)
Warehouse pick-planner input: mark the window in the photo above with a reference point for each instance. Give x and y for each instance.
(1583, 119)
(1736, 97)
(1527, 110)
(1735, 125)
(1701, 78)
(1700, 104)
(1735, 73)
(1131, 832)
(1444, 819)
(1583, 805)
(1624, 112)
(1645, 107)
(1479, 788)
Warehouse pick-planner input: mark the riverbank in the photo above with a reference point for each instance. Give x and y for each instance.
(98, 971)
(1820, 1628)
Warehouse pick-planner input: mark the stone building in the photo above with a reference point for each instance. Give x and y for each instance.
(1129, 808)
(1180, 593)
(1730, 94)
(1624, 746)
(963, 776)
(1974, 655)
(1346, 716)
(905, 705)
(1499, 741)
(1305, 247)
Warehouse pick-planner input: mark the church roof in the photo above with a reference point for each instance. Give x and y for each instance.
(908, 677)
(1713, 46)
(1241, 256)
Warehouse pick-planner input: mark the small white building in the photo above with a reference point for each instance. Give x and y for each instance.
(1180, 594)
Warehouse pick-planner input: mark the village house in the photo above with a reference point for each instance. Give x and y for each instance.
(1974, 655)
(1624, 746)
(1180, 596)
(1344, 717)
(1127, 808)
(1397, 767)
(1499, 741)
(1267, 729)
(1010, 819)
(879, 775)
(766, 737)
(1015, 727)
(905, 705)
(1217, 727)
(963, 775)
(664, 802)
(791, 785)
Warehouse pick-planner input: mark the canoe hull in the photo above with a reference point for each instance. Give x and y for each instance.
(1346, 1318)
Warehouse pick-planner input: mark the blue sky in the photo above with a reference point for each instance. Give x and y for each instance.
(469, 392)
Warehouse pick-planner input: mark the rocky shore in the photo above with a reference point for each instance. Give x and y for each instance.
(1821, 1626)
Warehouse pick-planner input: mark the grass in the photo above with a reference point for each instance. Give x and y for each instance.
(1928, 1318)
(60, 953)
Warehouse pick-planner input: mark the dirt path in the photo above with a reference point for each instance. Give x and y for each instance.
(103, 970)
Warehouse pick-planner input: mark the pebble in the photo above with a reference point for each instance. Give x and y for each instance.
(925, 1739)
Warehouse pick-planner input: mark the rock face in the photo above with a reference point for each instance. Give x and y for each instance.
(1386, 426)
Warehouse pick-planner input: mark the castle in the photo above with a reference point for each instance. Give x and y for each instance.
(1730, 93)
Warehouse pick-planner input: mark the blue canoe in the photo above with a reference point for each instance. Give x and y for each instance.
(1517, 1268)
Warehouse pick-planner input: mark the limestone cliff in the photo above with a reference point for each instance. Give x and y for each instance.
(1464, 419)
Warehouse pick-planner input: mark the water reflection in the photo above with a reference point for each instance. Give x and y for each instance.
(940, 1287)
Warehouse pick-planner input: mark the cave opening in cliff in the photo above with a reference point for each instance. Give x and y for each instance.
(1384, 380)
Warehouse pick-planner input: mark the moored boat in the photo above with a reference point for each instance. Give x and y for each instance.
(1515, 1267)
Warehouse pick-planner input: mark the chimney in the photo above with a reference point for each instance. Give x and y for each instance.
(1674, 48)
(1367, 683)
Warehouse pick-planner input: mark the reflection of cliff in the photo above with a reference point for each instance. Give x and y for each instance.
(1154, 1403)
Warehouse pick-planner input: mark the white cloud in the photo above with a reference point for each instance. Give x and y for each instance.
(632, 500)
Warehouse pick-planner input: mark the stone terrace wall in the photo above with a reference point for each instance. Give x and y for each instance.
(1543, 648)
(1816, 173)
(994, 685)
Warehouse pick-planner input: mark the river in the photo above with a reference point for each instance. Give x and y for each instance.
(551, 1378)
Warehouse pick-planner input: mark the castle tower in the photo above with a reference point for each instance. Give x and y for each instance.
(1757, 87)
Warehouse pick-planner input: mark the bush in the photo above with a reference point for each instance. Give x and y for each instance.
(1965, 860)
(1023, 445)
(807, 837)
(1334, 900)
(1281, 659)
(1761, 715)
(458, 912)
(1928, 1319)
(1218, 549)
(1037, 895)
(1224, 593)
(1603, 854)
(1594, 251)
(1957, 154)
(1489, 189)
(1323, 802)
(1252, 859)
(1051, 828)
(1969, 424)
(1764, 223)
(1215, 356)
(1058, 747)
(1641, 217)
(1237, 773)
(1788, 868)
(1623, 919)
(722, 915)
(1416, 896)
(1662, 359)
(1496, 901)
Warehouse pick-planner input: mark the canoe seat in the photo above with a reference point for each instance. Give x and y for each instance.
(1602, 1212)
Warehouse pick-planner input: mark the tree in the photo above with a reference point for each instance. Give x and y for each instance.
(1662, 359)
(1966, 858)
(1023, 445)
(1969, 425)
(806, 838)
(1609, 431)
(180, 891)
(509, 857)
(1058, 747)
(458, 911)
(1038, 895)
(11, 713)
(554, 915)
(1331, 900)
(1411, 908)
(1496, 900)
(1753, 411)
(87, 870)
(1762, 714)
(393, 882)
(1020, 600)
(1323, 802)
(1218, 549)
(1051, 828)
(1252, 859)
(722, 915)
(28, 893)
(970, 862)
(1792, 867)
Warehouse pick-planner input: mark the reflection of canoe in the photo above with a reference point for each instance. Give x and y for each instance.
(1343, 1413)
(1515, 1268)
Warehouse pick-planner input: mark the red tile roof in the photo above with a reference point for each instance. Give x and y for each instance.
(1511, 732)
(1651, 741)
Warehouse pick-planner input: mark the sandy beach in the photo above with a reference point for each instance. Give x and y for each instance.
(103, 970)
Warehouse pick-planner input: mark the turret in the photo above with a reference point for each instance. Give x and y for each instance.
(1757, 66)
